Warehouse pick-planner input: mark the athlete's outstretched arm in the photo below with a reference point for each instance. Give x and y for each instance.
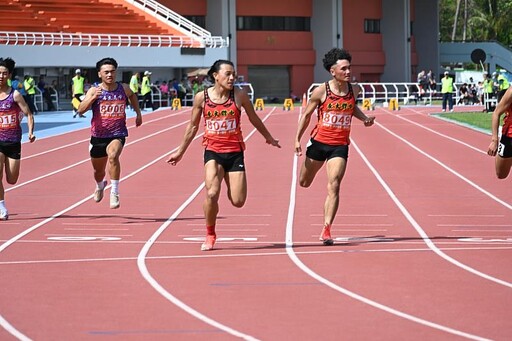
(191, 130)
(134, 102)
(18, 98)
(368, 120)
(246, 103)
(305, 118)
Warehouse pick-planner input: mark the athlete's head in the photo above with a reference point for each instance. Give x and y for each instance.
(106, 61)
(215, 68)
(334, 55)
(7, 63)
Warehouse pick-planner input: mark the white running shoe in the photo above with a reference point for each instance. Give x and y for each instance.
(4, 215)
(98, 193)
(114, 200)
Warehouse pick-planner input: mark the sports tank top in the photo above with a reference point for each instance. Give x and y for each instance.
(507, 124)
(10, 119)
(109, 114)
(334, 118)
(222, 132)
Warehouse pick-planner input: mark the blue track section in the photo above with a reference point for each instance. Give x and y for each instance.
(51, 123)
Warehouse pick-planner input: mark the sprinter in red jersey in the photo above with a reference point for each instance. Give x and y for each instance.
(502, 148)
(335, 104)
(220, 106)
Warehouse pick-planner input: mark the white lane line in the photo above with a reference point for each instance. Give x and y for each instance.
(474, 225)
(418, 228)
(141, 262)
(443, 135)
(468, 215)
(86, 140)
(351, 215)
(3, 322)
(460, 176)
(293, 256)
(88, 160)
(242, 255)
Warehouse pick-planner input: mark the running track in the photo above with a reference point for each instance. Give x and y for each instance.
(423, 250)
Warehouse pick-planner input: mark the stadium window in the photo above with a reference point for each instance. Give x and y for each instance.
(199, 20)
(371, 26)
(273, 23)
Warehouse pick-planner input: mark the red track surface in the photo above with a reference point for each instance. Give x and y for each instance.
(423, 252)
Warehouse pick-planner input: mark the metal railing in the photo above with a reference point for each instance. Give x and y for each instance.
(109, 40)
(169, 17)
(404, 93)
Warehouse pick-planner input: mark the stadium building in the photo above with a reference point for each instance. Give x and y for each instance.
(277, 46)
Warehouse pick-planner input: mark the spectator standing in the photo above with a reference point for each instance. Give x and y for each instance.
(447, 91)
(77, 90)
(488, 89)
(145, 91)
(503, 85)
(30, 87)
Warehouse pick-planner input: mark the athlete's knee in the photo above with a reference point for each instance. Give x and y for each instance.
(333, 187)
(502, 175)
(11, 180)
(238, 203)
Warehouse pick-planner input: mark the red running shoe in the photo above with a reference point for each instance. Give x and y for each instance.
(325, 236)
(209, 242)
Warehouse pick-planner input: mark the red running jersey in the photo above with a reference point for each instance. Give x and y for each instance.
(507, 124)
(222, 132)
(334, 118)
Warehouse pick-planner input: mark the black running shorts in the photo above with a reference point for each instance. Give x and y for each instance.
(11, 149)
(320, 151)
(231, 162)
(505, 147)
(98, 146)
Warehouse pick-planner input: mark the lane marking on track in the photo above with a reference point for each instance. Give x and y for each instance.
(259, 254)
(440, 134)
(141, 262)
(295, 259)
(352, 215)
(3, 322)
(458, 175)
(86, 140)
(468, 215)
(474, 225)
(417, 226)
(88, 160)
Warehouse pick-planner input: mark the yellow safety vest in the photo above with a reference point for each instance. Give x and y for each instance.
(29, 86)
(78, 85)
(146, 86)
(447, 85)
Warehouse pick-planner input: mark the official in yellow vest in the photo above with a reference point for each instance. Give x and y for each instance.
(447, 91)
(30, 87)
(77, 89)
(145, 91)
(503, 85)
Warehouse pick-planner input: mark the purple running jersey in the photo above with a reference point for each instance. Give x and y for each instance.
(109, 114)
(10, 119)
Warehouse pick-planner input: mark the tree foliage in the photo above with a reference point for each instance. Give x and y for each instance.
(482, 20)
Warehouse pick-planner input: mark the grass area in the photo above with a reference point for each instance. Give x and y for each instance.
(480, 120)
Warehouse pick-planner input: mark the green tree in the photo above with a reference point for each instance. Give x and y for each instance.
(475, 20)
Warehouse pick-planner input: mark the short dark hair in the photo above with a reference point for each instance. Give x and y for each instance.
(106, 61)
(216, 67)
(9, 63)
(334, 55)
